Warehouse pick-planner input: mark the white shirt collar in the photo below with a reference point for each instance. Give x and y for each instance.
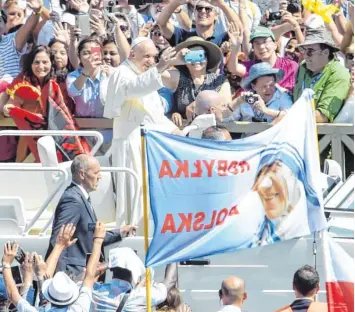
(85, 193)
(230, 308)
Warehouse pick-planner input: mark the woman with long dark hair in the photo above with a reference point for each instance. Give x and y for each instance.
(37, 94)
(61, 68)
(37, 72)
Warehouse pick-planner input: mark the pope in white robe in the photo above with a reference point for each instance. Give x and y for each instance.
(132, 100)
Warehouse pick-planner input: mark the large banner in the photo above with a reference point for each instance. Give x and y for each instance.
(210, 197)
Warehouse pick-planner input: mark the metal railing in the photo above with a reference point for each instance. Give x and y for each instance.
(61, 184)
(90, 133)
(336, 135)
(136, 196)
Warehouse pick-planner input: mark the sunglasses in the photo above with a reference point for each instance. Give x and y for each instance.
(124, 28)
(201, 8)
(349, 56)
(308, 52)
(156, 33)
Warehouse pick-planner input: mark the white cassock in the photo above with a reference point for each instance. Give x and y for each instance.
(132, 100)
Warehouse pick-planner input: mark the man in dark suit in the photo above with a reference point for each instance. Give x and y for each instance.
(75, 207)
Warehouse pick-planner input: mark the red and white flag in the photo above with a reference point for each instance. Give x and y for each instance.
(339, 274)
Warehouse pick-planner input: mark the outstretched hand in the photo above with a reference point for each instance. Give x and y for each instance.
(10, 251)
(65, 235)
(171, 58)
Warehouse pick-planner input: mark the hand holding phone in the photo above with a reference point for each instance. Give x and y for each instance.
(16, 274)
(20, 255)
(82, 21)
(96, 52)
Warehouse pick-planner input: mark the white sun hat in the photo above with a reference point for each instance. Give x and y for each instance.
(60, 290)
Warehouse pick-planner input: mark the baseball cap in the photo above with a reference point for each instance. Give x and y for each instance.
(261, 32)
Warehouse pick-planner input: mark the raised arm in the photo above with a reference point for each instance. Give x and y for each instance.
(233, 63)
(243, 15)
(67, 211)
(10, 251)
(183, 19)
(24, 32)
(230, 14)
(64, 240)
(164, 17)
(333, 29)
(99, 236)
(121, 40)
(348, 38)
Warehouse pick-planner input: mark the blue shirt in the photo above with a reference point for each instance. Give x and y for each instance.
(167, 96)
(245, 112)
(88, 100)
(181, 35)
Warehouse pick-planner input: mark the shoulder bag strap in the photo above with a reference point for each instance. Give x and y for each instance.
(123, 302)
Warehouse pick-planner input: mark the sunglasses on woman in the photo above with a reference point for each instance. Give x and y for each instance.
(349, 56)
(200, 8)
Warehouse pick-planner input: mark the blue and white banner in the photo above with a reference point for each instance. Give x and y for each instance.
(210, 197)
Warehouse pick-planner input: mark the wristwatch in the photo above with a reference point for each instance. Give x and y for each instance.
(5, 266)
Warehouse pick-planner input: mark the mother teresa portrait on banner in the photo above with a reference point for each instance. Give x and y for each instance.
(283, 199)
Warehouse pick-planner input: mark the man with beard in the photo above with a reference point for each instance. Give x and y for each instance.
(132, 100)
(322, 72)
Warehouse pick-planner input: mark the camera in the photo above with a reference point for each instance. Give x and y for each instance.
(195, 56)
(294, 7)
(250, 99)
(110, 3)
(275, 16)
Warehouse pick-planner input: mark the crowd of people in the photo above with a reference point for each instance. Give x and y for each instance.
(157, 64)
(47, 288)
(95, 59)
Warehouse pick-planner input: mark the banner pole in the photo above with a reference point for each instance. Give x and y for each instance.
(146, 218)
(315, 233)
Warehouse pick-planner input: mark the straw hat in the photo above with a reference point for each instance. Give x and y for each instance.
(214, 53)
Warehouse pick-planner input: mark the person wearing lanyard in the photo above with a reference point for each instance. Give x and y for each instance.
(322, 72)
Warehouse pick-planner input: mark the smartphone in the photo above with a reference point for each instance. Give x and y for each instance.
(195, 56)
(20, 256)
(16, 274)
(97, 51)
(91, 227)
(82, 21)
(88, 255)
